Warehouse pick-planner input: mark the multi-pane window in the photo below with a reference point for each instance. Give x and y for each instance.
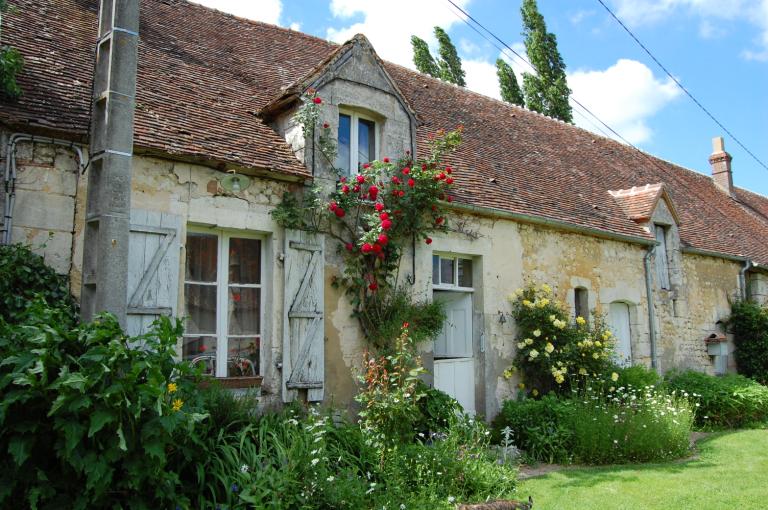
(662, 260)
(223, 302)
(356, 142)
(451, 272)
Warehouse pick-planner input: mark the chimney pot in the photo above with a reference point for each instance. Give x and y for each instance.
(720, 161)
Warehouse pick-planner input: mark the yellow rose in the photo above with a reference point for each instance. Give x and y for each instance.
(549, 347)
(521, 386)
(614, 377)
(520, 345)
(537, 332)
(528, 341)
(543, 302)
(546, 288)
(533, 354)
(552, 317)
(580, 321)
(535, 392)
(527, 303)
(598, 344)
(559, 379)
(595, 355)
(507, 374)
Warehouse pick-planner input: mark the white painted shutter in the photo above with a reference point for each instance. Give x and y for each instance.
(662, 262)
(618, 320)
(303, 326)
(456, 377)
(455, 339)
(153, 268)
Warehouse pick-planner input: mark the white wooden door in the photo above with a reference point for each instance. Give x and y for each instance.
(618, 320)
(153, 268)
(454, 365)
(303, 329)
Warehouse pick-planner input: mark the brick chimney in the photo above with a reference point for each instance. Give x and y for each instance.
(721, 165)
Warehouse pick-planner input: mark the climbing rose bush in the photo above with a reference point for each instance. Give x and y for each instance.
(554, 352)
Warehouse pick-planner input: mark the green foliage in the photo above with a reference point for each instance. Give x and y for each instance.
(638, 376)
(449, 62)
(91, 418)
(25, 276)
(729, 401)
(11, 63)
(547, 91)
(438, 411)
(630, 425)
(510, 90)
(749, 325)
(539, 427)
(422, 58)
(553, 353)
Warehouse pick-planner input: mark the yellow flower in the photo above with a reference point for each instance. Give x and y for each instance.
(520, 345)
(595, 355)
(172, 387)
(580, 321)
(549, 347)
(521, 386)
(177, 404)
(559, 379)
(543, 302)
(535, 392)
(612, 388)
(614, 377)
(582, 371)
(536, 332)
(508, 373)
(519, 292)
(552, 317)
(607, 335)
(528, 341)
(527, 303)
(598, 344)
(533, 354)
(546, 288)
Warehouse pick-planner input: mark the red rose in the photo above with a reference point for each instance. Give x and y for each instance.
(360, 178)
(411, 183)
(448, 170)
(373, 286)
(450, 199)
(377, 248)
(339, 212)
(379, 206)
(441, 175)
(401, 193)
(381, 255)
(383, 239)
(406, 171)
(424, 166)
(356, 188)
(326, 125)
(438, 221)
(366, 165)
(396, 179)
(428, 240)
(373, 191)
(345, 189)
(386, 160)
(449, 180)
(386, 224)
(343, 179)
(434, 207)
(367, 248)
(383, 216)
(349, 246)
(317, 100)
(332, 206)
(203, 348)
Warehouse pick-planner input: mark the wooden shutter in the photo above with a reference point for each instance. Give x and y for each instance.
(455, 339)
(619, 321)
(153, 268)
(303, 327)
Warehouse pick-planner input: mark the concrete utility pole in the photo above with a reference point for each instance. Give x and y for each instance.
(108, 205)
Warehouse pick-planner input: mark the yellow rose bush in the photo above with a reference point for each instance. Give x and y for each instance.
(554, 351)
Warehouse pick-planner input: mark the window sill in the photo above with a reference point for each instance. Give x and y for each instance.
(234, 382)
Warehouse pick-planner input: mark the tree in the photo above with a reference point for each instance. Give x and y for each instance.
(546, 92)
(510, 90)
(449, 62)
(422, 58)
(11, 63)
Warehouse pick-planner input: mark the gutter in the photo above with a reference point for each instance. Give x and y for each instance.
(9, 177)
(651, 306)
(547, 222)
(716, 254)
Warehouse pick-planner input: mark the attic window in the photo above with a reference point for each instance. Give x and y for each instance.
(357, 141)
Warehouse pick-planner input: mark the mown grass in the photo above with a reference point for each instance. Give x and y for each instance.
(730, 471)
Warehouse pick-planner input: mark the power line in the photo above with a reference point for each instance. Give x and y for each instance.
(680, 84)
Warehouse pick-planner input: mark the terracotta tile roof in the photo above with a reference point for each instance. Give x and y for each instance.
(203, 75)
(639, 203)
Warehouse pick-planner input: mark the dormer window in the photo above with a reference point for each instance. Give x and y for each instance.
(357, 139)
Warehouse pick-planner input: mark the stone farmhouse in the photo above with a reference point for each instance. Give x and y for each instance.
(193, 164)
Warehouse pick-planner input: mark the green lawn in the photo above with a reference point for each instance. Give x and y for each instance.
(731, 472)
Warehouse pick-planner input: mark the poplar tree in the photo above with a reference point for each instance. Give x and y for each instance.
(510, 90)
(546, 92)
(422, 58)
(449, 62)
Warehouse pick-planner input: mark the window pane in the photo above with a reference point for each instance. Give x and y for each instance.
(201, 257)
(435, 270)
(465, 272)
(446, 272)
(244, 311)
(243, 356)
(200, 350)
(244, 260)
(200, 309)
(366, 138)
(344, 143)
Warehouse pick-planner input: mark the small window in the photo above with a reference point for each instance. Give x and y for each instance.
(448, 271)
(662, 260)
(223, 303)
(581, 302)
(356, 142)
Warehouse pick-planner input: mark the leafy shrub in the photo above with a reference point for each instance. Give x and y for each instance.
(730, 401)
(90, 421)
(438, 411)
(539, 427)
(749, 324)
(638, 376)
(23, 276)
(630, 425)
(553, 353)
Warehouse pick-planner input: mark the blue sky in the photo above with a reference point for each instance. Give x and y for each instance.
(718, 49)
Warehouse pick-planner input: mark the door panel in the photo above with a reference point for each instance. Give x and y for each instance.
(618, 320)
(455, 340)
(456, 377)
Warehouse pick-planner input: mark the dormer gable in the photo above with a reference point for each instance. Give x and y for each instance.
(642, 204)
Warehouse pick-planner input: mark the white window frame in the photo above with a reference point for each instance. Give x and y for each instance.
(662, 256)
(355, 116)
(222, 294)
(455, 285)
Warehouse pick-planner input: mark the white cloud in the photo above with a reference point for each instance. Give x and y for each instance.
(481, 77)
(267, 11)
(390, 25)
(625, 96)
(295, 26)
